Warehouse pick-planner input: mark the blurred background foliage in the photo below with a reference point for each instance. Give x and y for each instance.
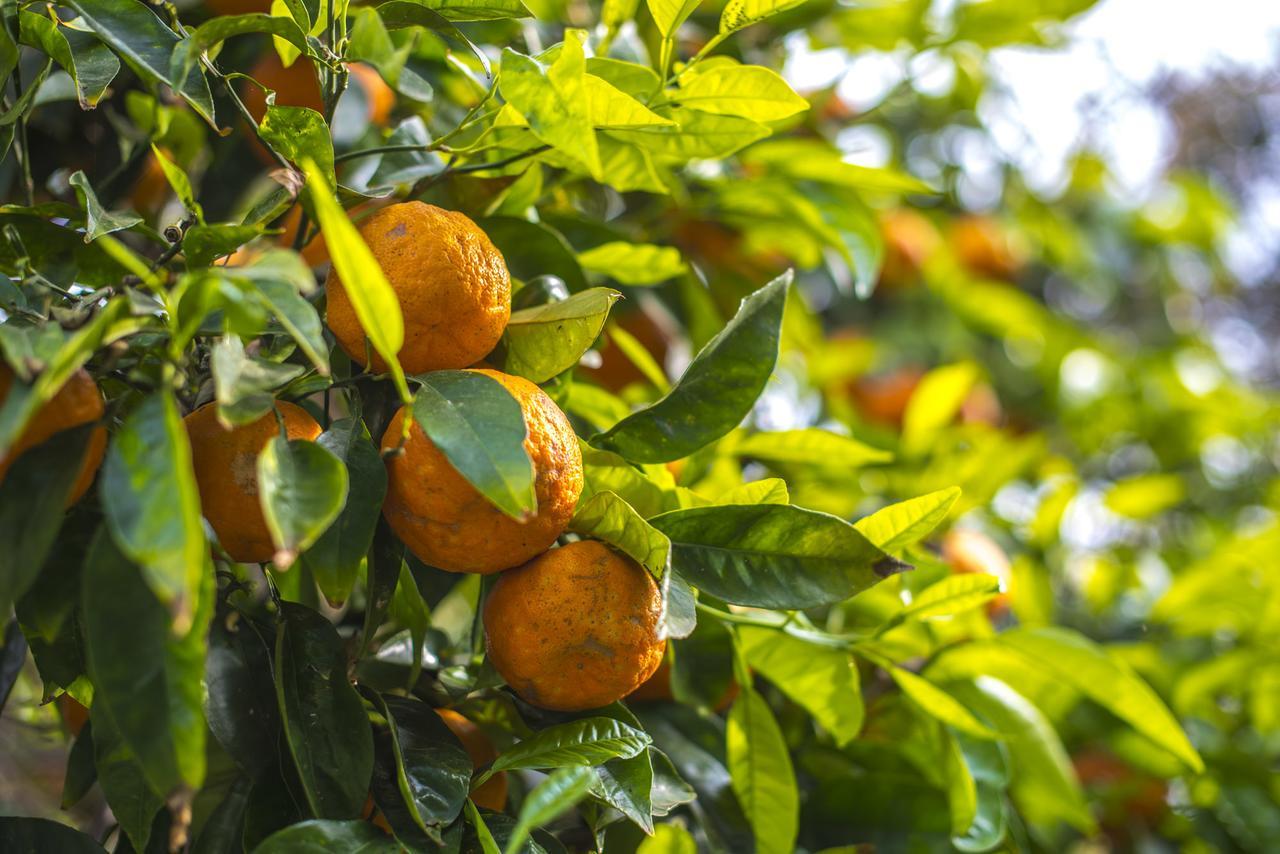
(1093, 364)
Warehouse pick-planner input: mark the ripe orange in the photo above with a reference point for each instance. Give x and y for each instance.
(78, 402)
(575, 628)
(226, 467)
(883, 399)
(966, 550)
(448, 524)
(451, 281)
(151, 188)
(984, 247)
(909, 239)
(493, 794)
(379, 96)
(74, 715)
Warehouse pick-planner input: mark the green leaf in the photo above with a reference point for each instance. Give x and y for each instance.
(245, 386)
(203, 244)
(668, 839)
(951, 595)
(178, 180)
(300, 135)
(977, 781)
(241, 704)
(819, 161)
(698, 135)
(670, 14)
(147, 679)
(638, 81)
(479, 427)
(42, 834)
(33, 494)
(149, 496)
(607, 517)
(763, 779)
(750, 91)
(936, 702)
(223, 27)
(90, 63)
(546, 340)
(488, 845)
(812, 446)
(770, 490)
(634, 263)
(143, 40)
(590, 741)
(319, 835)
(743, 13)
(421, 771)
(476, 10)
(533, 249)
(627, 784)
(120, 776)
(335, 558)
(1079, 662)
(325, 724)
(81, 771)
(1043, 783)
(936, 402)
(562, 789)
(553, 100)
(1145, 496)
(772, 555)
(375, 303)
(279, 277)
(819, 679)
(716, 391)
(97, 220)
(612, 108)
(302, 487)
(897, 526)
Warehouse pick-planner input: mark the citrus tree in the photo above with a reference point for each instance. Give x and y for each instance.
(486, 426)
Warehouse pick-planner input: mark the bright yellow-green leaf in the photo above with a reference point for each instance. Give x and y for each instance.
(670, 14)
(1146, 495)
(897, 526)
(750, 91)
(936, 402)
(610, 107)
(743, 13)
(633, 263)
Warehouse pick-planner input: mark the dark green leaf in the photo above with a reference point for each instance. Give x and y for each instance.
(717, 390)
(479, 427)
(627, 784)
(334, 559)
(325, 723)
(241, 704)
(90, 63)
(533, 249)
(563, 788)
(123, 783)
(329, 837)
(421, 772)
(147, 680)
(13, 655)
(589, 741)
(300, 133)
(476, 10)
(548, 339)
(81, 772)
(302, 487)
(42, 834)
(202, 244)
(32, 496)
(223, 832)
(148, 491)
(135, 32)
(97, 220)
(772, 555)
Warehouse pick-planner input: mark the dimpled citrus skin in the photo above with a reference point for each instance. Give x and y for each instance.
(452, 284)
(77, 402)
(575, 628)
(493, 794)
(448, 524)
(226, 467)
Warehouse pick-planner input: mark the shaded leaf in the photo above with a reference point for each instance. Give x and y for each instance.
(98, 221)
(302, 488)
(318, 835)
(590, 741)
(548, 339)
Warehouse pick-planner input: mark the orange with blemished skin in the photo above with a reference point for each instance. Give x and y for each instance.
(493, 794)
(575, 628)
(449, 524)
(452, 284)
(78, 402)
(226, 468)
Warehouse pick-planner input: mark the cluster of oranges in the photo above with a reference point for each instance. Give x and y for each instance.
(571, 627)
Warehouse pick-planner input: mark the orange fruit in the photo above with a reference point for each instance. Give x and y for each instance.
(451, 281)
(883, 399)
(226, 467)
(151, 189)
(984, 248)
(78, 402)
(448, 524)
(379, 96)
(493, 794)
(575, 628)
(297, 85)
(909, 239)
(74, 715)
(966, 550)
